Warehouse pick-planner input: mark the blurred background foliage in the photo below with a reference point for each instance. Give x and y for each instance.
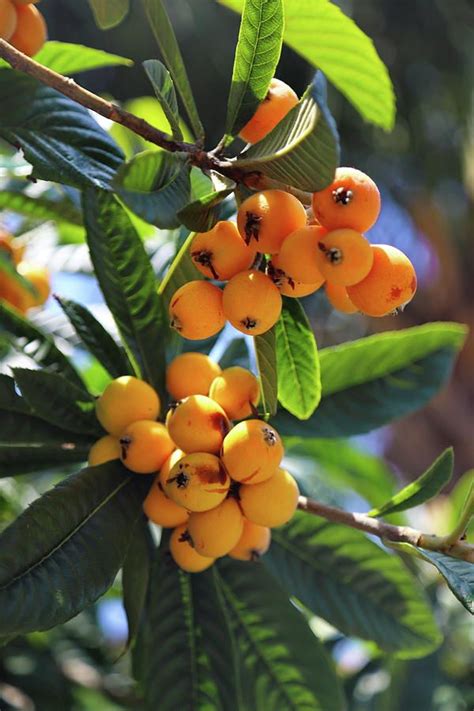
(425, 169)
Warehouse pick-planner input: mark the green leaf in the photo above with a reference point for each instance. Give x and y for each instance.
(166, 38)
(136, 576)
(299, 380)
(96, 339)
(285, 667)
(39, 346)
(155, 185)
(56, 400)
(265, 353)
(67, 58)
(40, 208)
(343, 52)
(201, 215)
(236, 353)
(58, 137)
(127, 282)
(65, 550)
(163, 87)
(256, 58)
(354, 584)
(181, 271)
(303, 149)
(109, 13)
(458, 574)
(372, 381)
(428, 485)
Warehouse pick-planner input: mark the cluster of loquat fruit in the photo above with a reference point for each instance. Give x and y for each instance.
(23, 25)
(13, 291)
(218, 480)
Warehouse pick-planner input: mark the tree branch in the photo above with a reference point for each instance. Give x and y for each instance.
(397, 534)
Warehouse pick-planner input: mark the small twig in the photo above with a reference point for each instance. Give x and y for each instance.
(397, 534)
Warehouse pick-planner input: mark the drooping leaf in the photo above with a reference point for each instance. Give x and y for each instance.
(181, 271)
(343, 52)
(236, 353)
(265, 353)
(127, 281)
(166, 38)
(354, 584)
(285, 667)
(109, 13)
(65, 550)
(303, 149)
(299, 380)
(136, 576)
(39, 346)
(58, 137)
(96, 339)
(40, 208)
(201, 215)
(54, 399)
(256, 57)
(155, 185)
(428, 485)
(163, 87)
(459, 575)
(67, 58)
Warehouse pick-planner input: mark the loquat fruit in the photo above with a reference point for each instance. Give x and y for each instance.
(196, 310)
(8, 19)
(271, 503)
(31, 32)
(390, 284)
(344, 256)
(280, 99)
(39, 279)
(237, 391)
(221, 253)
(190, 374)
(252, 451)
(174, 457)
(104, 450)
(162, 510)
(352, 200)
(125, 400)
(266, 218)
(252, 302)
(214, 533)
(13, 293)
(198, 424)
(253, 543)
(298, 255)
(288, 286)
(184, 554)
(197, 482)
(145, 445)
(339, 298)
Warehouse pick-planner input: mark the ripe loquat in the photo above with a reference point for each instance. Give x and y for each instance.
(280, 99)
(253, 543)
(198, 424)
(252, 302)
(352, 200)
(196, 310)
(252, 451)
(125, 400)
(266, 218)
(390, 284)
(162, 510)
(8, 19)
(104, 450)
(214, 533)
(190, 374)
(298, 255)
(288, 286)
(13, 293)
(198, 482)
(339, 298)
(174, 457)
(31, 32)
(221, 253)
(271, 503)
(344, 256)
(237, 391)
(145, 446)
(184, 554)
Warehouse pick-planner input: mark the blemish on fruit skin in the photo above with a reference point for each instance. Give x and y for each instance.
(395, 293)
(251, 476)
(209, 475)
(220, 423)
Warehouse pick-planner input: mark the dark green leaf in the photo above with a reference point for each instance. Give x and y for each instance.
(155, 185)
(236, 353)
(96, 339)
(56, 400)
(458, 574)
(109, 13)
(67, 58)
(267, 370)
(136, 576)
(58, 137)
(127, 281)
(65, 550)
(180, 272)
(163, 87)
(38, 345)
(299, 380)
(166, 38)
(303, 149)
(354, 584)
(256, 57)
(39, 208)
(428, 485)
(201, 215)
(285, 667)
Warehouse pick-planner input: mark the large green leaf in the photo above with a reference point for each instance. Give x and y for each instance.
(318, 31)
(96, 339)
(428, 485)
(353, 583)
(166, 38)
(136, 576)
(458, 574)
(58, 137)
(202, 214)
(155, 185)
(265, 353)
(127, 281)
(181, 271)
(375, 380)
(39, 346)
(163, 87)
(299, 380)
(285, 667)
(65, 550)
(57, 401)
(68, 58)
(109, 13)
(256, 57)
(40, 208)
(303, 149)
